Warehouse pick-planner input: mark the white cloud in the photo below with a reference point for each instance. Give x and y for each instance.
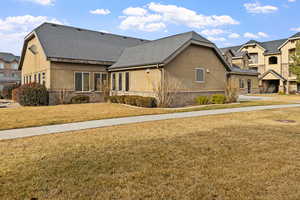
(13, 30)
(212, 32)
(220, 39)
(100, 11)
(295, 29)
(42, 2)
(256, 36)
(135, 11)
(258, 8)
(159, 15)
(291, 1)
(233, 35)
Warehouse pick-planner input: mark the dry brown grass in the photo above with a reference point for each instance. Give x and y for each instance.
(22, 117)
(282, 98)
(241, 156)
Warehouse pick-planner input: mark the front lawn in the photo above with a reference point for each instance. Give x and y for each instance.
(240, 156)
(22, 117)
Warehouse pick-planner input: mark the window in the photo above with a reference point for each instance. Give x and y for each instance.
(199, 75)
(24, 80)
(35, 78)
(82, 81)
(1, 74)
(1, 65)
(15, 66)
(120, 81)
(273, 60)
(292, 52)
(30, 79)
(127, 81)
(242, 83)
(253, 58)
(44, 78)
(100, 81)
(113, 81)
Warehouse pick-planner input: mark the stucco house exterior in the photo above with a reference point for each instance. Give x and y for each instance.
(79, 61)
(9, 73)
(271, 59)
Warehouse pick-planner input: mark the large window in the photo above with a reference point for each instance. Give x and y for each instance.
(273, 60)
(253, 58)
(82, 81)
(127, 81)
(1, 74)
(39, 78)
(100, 81)
(15, 66)
(1, 65)
(199, 75)
(120, 81)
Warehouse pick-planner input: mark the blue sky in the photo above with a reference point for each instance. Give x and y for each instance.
(224, 22)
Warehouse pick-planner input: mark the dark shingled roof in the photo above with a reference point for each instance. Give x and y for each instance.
(8, 57)
(237, 69)
(270, 46)
(157, 51)
(66, 42)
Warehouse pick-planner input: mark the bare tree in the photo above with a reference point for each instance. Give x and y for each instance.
(167, 90)
(63, 96)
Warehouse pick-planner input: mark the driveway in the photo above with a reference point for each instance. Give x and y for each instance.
(28, 132)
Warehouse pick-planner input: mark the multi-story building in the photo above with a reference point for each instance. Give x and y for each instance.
(271, 59)
(9, 72)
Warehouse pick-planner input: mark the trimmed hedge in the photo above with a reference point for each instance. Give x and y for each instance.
(32, 94)
(202, 100)
(214, 99)
(80, 99)
(218, 99)
(147, 102)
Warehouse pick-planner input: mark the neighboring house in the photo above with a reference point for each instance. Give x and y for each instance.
(9, 73)
(271, 59)
(79, 61)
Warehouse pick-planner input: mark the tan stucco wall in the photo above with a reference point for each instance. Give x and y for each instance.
(275, 67)
(63, 74)
(140, 80)
(35, 63)
(256, 49)
(234, 82)
(285, 57)
(182, 68)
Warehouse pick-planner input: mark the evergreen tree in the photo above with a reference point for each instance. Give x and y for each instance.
(295, 65)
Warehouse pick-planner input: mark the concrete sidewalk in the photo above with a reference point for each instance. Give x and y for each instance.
(27, 132)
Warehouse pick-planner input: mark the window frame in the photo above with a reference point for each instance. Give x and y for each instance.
(273, 57)
(127, 82)
(2, 65)
(82, 81)
(199, 68)
(101, 79)
(242, 83)
(113, 81)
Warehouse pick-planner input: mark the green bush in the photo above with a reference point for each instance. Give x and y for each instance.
(203, 100)
(148, 102)
(218, 99)
(32, 94)
(7, 91)
(80, 99)
(281, 93)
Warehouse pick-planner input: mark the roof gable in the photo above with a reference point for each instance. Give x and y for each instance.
(160, 51)
(8, 57)
(66, 42)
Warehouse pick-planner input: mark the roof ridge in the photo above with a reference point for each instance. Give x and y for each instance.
(85, 29)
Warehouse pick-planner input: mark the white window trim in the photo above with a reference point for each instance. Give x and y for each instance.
(82, 82)
(201, 68)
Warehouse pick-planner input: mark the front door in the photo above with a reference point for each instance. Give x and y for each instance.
(249, 86)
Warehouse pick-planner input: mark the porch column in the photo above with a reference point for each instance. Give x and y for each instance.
(287, 87)
(281, 86)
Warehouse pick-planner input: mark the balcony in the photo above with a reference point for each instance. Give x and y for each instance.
(5, 79)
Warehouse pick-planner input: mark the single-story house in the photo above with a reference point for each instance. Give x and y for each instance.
(74, 61)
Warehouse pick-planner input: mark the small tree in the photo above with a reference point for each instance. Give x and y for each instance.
(295, 65)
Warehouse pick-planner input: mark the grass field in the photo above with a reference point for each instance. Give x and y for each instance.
(22, 117)
(241, 156)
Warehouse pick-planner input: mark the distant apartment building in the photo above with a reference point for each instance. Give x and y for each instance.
(9, 72)
(271, 59)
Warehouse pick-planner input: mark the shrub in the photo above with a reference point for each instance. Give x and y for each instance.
(32, 94)
(231, 94)
(148, 102)
(80, 99)
(281, 93)
(202, 100)
(218, 99)
(7, 91)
